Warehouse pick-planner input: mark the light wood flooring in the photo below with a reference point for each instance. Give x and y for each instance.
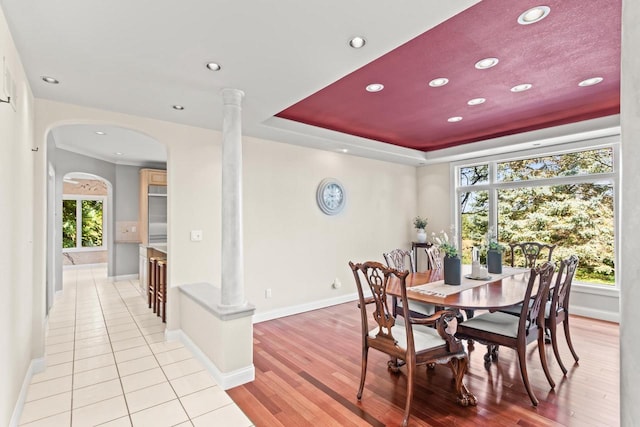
(308, 371)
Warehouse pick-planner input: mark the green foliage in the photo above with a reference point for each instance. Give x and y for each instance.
(69, 224)
(578, 218)
(446, 246)
(91, 223)
(419, 222)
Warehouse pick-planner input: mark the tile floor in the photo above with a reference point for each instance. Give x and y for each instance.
(109, 364)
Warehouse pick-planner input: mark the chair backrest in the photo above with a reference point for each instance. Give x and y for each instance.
(398, 259)
(435, 257)
(376, 280)
(532, 316)
(562, 290)
(530, 252)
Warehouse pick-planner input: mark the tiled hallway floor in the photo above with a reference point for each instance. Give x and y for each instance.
(108, 364)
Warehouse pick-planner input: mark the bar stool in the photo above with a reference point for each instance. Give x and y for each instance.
(152, 282)
(161, 292)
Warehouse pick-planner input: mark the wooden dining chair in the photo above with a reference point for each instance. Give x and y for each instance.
(435, 257)
(413, 342)
(503, 329)
(557, 310)
(399, 259)
(529, 252)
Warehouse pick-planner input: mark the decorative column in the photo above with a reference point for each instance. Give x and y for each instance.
(629, 216)
(232, 280)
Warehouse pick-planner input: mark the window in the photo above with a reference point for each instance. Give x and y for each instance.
(82, 223)
(566, 199)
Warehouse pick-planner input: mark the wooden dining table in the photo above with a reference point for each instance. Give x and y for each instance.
(492, 294)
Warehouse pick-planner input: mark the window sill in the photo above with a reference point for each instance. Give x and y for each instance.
(612, 292)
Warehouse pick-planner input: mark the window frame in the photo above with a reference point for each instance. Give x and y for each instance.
(493, 186)
(79, 198)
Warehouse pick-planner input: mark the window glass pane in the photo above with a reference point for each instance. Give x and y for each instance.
(578, 218)
(581, 163)
(474, 175)
(69, 230)
(474, 208)
(91, 223)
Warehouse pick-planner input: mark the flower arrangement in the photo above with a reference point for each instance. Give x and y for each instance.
(492, 241)
(449, 248)
(420, 223)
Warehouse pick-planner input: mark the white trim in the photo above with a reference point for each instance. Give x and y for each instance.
(583, 288)
(36, 366)
(226, 380)
(594, 313)
(301, 308)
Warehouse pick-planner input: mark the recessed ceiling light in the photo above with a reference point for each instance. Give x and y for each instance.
(357, 42)
(590, 82)
(99, 132)
(454, 119)
(375, 87)
(533, 15)
(117, 153)
(50, 80)
(177, 107)
(440, 81)
(476, 101)
(521, 87)
(485, 63)
(344, 150)
(214, 66)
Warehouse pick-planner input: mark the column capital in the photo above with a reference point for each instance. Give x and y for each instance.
(232, 96)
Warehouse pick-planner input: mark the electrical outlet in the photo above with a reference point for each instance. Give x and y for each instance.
(196, 235)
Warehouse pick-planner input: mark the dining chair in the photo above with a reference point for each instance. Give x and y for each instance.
(503, 329)
(413, 342)
(529, 252)
(557, 310)
(398, 259)
(435, 257)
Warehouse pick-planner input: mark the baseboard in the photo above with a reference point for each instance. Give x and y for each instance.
(301, 308)
(593, 313)
(36, 366)
(225, 380)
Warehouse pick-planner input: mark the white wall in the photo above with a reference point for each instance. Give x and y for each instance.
(19, 307)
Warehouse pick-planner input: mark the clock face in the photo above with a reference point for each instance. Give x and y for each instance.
(330, 196)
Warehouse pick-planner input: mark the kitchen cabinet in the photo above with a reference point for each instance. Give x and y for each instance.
(155, 178)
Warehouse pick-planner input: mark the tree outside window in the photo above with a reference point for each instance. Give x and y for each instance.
(82, 223)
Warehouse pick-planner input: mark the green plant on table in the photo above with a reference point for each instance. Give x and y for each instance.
(420, 223)
(446, 246)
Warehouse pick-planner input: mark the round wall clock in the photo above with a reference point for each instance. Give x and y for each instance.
(330, 196)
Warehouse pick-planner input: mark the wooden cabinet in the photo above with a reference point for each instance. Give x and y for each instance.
(148, 177)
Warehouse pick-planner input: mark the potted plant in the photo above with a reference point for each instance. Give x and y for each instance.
(420, 224)
(494, 253)
(452, 263)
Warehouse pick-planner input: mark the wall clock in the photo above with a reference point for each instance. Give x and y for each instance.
(330, 196)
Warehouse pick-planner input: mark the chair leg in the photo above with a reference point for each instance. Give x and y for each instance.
(363, 374)
(567, 335)
(554, 343)
(522, 361)
(543, 357)
(411, 365)
(459, 368)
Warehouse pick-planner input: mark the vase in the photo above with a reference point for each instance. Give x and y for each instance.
(494, 261)
(421, 236)
(452, 270)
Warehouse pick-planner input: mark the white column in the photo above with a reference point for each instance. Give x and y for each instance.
(232, 280)
(630, 216)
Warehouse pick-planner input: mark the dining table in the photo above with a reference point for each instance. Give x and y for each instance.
(494, 292)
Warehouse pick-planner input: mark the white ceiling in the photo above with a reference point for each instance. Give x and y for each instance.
(141, 57)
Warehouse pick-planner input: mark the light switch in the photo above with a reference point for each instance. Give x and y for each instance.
(196, 235)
